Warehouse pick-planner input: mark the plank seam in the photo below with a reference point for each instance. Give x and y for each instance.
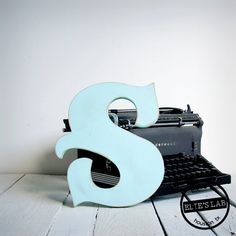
(201, 215)
(158, 217)
(17, 180)
(232, 203)
(56, 214)
(95, 223)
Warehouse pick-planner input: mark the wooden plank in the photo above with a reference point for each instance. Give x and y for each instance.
(168, 209)
(210, 215)
(228, 227)
(74, 221)
(131, 221)
(28, 208)
(8, 180)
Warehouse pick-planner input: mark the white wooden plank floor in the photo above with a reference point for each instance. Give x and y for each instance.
(41, 205)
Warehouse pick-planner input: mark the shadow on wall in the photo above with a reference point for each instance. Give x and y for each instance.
(51, 164)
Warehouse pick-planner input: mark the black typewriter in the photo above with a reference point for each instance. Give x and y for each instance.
(177, 135)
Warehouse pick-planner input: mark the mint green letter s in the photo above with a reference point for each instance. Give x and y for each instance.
(140, 163)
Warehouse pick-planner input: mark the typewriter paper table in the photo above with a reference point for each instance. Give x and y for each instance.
(42, 205)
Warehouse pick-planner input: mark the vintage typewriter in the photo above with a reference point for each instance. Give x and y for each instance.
(177, 135)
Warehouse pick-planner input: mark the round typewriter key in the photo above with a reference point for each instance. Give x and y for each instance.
(194, 174)
(166, 161)
(177, 177)
(187, 158)
(185, 164)
(214, 169)
(191, 168)
(188, 175)
(166, 178)
(171, 177)
(175, 171)
(198, 172)
(182, 176)
(168, 166)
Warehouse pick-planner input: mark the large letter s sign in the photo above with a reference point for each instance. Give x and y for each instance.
(140, 163)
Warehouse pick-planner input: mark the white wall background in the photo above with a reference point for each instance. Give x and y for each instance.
(50, 50)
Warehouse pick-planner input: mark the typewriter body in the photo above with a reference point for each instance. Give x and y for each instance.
(177, 135)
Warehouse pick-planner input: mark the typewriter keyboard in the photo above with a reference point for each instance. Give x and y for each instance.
(186, 168)
(181, 171)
